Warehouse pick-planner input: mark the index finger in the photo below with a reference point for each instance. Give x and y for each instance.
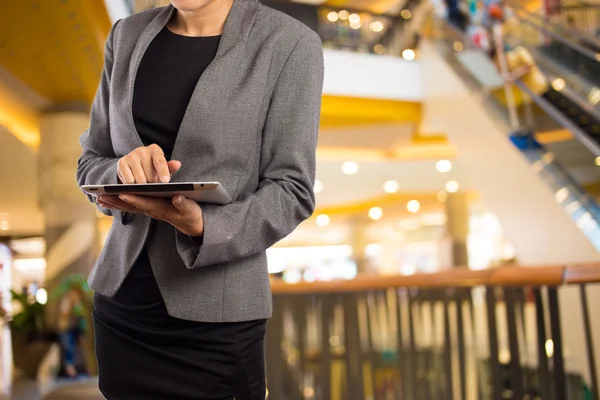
(160, 164)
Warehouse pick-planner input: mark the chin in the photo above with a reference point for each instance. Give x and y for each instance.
(189, 5)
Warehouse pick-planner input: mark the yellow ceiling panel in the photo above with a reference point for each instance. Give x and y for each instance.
(390, 202)
(373, 6)
(19, 117)
(339, 111)
(55, 46)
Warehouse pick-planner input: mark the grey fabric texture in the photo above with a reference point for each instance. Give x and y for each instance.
(251, 124)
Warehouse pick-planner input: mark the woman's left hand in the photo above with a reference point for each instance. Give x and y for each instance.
(184, 214)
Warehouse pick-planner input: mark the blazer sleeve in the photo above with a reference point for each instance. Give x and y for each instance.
(97, 163)
(285, 195)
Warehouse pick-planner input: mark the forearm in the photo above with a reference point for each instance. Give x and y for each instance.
(247, 227)
(97, 170)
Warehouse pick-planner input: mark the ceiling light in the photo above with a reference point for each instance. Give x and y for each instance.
(28, 247)
(318, 186)
(413, 206)
(436, 219)
(375, 213)
(411, 224)
(443, 166)
(308, 392)
(41, 296)
(407, 269)
(376, 26)
(350, 168)
(594, 96)
(323, 220)
(561, 195)
(458, 46)
(344, 15)
(452, 186)
(391, 186)
(549, 345)
(355, 25)
(597, 161)
(29, 264)
(333, 16)
(442, 196)
(373, 249)
(406, 14)
(354, 18)
(558, 84)
(4, 225)
(409, 54)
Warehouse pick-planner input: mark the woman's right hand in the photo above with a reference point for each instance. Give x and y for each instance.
(146, 164)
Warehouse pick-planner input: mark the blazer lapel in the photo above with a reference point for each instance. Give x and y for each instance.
(148, 34)
(235, 32)
(231, 51)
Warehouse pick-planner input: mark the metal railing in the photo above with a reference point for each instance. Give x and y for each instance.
(581, 15)
(493, 334)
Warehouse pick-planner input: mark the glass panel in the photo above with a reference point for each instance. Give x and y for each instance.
(553, 163)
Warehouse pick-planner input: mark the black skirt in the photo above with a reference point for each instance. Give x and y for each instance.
(144, 353)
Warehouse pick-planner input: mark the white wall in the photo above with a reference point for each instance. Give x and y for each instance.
(117, 9)
(373, 76)
(538, 227)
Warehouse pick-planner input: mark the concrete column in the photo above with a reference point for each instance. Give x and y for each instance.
(359, 242)
(457, 225)
(71, 221)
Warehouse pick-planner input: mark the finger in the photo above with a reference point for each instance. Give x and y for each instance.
(114, 202)
(138, 171)
(174, 166)
(144, 204)
(183, 205)
(124, 172)
(148, 167)
(160, 164)
(111, 207)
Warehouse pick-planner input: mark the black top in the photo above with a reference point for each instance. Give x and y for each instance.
(166, 78)
(164, 83)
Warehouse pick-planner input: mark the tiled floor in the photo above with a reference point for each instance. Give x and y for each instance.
(26, 390)
(84, 389)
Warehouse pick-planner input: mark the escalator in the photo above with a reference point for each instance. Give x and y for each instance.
(558, 128)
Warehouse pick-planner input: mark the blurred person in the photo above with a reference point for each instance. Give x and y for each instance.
(522, 66)
(455, 15)
(71, 327)
(213, 90)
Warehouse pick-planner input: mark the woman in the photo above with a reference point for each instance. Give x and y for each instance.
(213, 90)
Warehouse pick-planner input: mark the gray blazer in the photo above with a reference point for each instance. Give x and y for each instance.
(251, 124)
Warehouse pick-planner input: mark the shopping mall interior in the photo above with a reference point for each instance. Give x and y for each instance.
(454, 252)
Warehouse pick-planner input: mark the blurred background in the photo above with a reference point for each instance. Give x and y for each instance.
(454, 252)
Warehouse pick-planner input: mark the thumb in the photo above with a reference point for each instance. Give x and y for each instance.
(183, 205)
(174, 166)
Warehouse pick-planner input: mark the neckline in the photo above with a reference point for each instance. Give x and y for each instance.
(170, 32)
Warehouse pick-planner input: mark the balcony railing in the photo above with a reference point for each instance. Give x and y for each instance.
(344, 29)
(461, 334)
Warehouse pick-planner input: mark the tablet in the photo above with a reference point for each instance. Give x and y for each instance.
(202, 192)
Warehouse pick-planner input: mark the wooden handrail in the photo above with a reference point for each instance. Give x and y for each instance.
(578, 274)
(552, 276)
(531, 276)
